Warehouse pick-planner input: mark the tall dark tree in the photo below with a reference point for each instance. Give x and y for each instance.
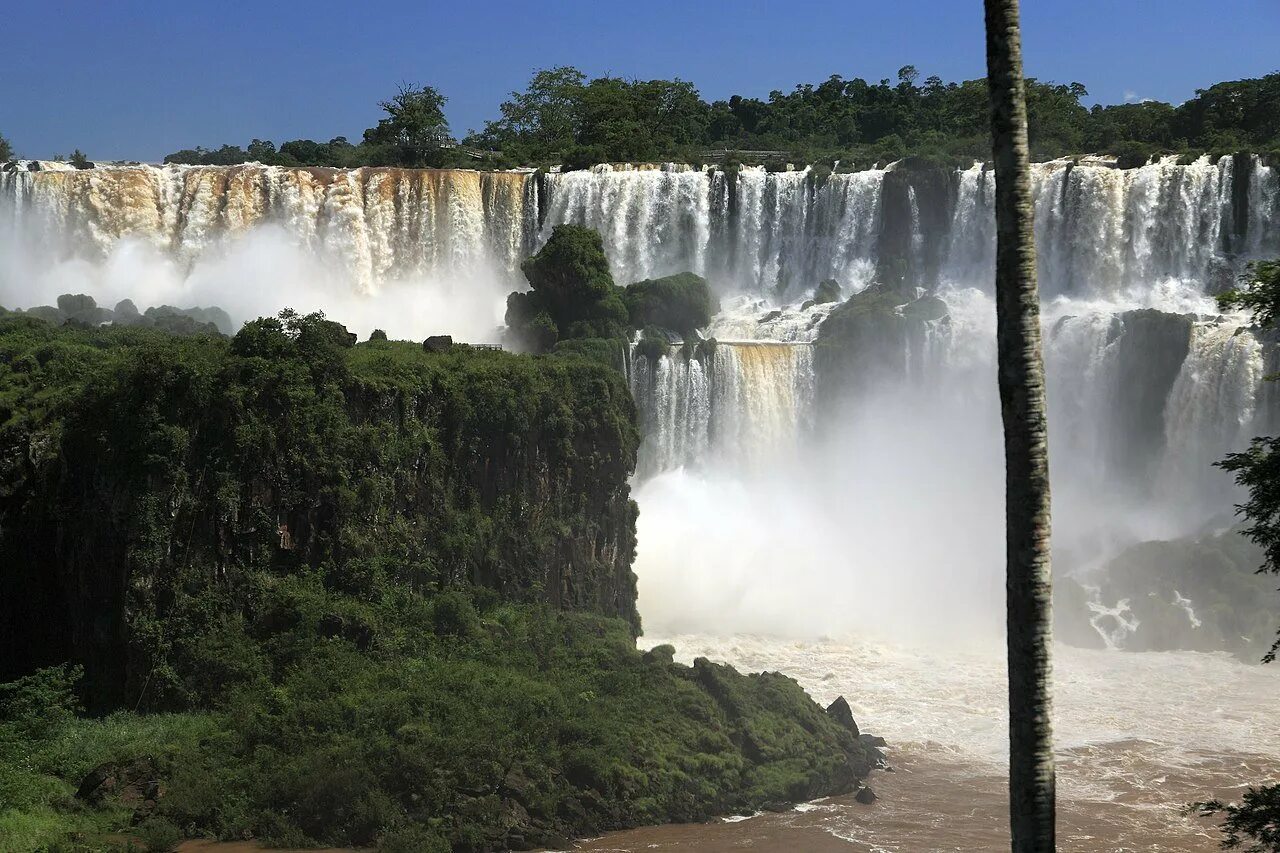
(1022, 403)
(415, 127)
(6, 150)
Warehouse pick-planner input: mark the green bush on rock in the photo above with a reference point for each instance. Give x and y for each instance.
(573, 298)
(683, 303)
(572, 295)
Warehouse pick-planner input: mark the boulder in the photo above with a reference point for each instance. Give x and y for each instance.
(76, 303)
(131, 783)
(925, 308)
(49, 314)
(872, 740)
(83, 308)
(827, 291)
(663, 654)
(865, 795)
(438, 343)
(843, 714)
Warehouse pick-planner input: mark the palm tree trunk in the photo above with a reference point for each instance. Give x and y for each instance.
(1022, 403)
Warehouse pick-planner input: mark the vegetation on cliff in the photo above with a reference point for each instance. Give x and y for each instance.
(139, 467)
(572, 294)
(319, 592)
(349, 710)
(562, 117)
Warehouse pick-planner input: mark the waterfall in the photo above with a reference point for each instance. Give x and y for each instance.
(1127, 395)
(673, 397)
(1102, 232)
(1119, 233)
(375, 224)
(744, 405)
(654, 221)
(1211, 410)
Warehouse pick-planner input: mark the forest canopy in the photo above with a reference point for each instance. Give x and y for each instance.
(563, 117)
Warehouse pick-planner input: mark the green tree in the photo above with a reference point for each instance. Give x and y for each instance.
(543, 121)
(6, 150)
(572, 295)
(1022, 402)
(1258, 293)
(79, 160)
(415, 129)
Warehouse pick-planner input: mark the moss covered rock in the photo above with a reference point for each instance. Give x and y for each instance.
(683, 303)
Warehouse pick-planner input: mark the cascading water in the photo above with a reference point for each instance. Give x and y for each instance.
(655, 222)
(1162, 235)
(742, 405)
(1211, 410)
(376, 223)
(1118, 233)
(1102, 232)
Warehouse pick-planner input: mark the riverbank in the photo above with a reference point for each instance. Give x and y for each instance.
(1139, 735)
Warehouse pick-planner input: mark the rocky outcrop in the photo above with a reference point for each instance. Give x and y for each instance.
(840, 711)
(1195, 594)
(82, 310)
(1152, 346)
(875, 336)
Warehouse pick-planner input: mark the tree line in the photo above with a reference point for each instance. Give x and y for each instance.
(564, 117)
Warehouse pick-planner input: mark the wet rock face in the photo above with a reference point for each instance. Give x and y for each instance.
(875, 336)
(1152, 347)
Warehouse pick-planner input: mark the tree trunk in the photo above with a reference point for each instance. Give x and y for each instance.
(1022, 404)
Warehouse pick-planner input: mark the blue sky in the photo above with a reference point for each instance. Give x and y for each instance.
(138, 80)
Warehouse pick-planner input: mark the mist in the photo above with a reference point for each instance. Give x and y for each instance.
(884, 517)
(259, 273)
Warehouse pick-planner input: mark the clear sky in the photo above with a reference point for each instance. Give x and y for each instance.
(137, 80)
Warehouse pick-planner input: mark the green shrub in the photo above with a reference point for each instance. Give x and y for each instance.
(683, 303)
